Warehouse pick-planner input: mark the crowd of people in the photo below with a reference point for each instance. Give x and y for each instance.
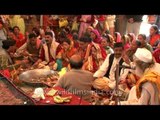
(90, 47)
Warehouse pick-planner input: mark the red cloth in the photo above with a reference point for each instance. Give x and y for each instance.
(51, 59)
(126, 46)
(45, 21)
(101, 18)
(74, 101)
(156, 55)
(118, 37)
(153, 39)
(68, 53)
(5, 73)
(98, 38)
(20, 40)
(42, 56)
(103, 51)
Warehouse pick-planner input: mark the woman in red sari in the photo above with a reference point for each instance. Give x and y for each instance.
(82, 46)
(67, 51)
(96, 40)
(154, 35)
(117, 37)
(95, 59)
(132, 37)
(125, 40)
(18, 37)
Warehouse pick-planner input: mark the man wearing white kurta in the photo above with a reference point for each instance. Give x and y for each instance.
(110, 67)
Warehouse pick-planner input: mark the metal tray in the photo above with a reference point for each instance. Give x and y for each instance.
(34, 76)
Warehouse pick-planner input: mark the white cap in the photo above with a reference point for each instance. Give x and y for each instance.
(144, 55)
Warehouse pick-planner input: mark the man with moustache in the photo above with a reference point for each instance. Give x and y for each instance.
(50, 49)
(147, 89)
(108, 68)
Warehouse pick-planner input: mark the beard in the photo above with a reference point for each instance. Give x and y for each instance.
(138, 71)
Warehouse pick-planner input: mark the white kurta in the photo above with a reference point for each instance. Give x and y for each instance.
(104, 67)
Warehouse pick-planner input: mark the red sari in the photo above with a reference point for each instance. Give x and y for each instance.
(153, 39)
(156, 55)
(67, 54)
(81, 52)
(20, 40)
(92, 64)
(51, 59)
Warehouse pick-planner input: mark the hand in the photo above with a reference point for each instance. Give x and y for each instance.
(11, 55)
(51, 63)
(25, 53)
(112, 103)
(126, 59)
(107, 88)
(122, 81)
(37, 62)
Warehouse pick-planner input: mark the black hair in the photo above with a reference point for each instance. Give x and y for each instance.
(138, 43)
(67, 41)
(155, 27)
(107, 38)
(36, 30)
(75, 36)
(62, 34)
(49, 33)
(156, 44)
(85, 39)
(143, 36)
(76, 65)
(8, 43)
(67, 30)
(118, 44)
(87, 34)
(16, 27)
(10, 29)
(32, 35)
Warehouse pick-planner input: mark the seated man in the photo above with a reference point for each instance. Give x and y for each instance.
(77, 81)
(146, 90)
(108, 68)
(31, 48)
(7, 48)
(50, 49)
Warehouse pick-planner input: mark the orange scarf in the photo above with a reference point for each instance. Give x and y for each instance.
(150, 76)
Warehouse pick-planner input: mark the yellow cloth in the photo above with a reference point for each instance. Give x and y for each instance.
(17, 20)
(150, 76)
(63, 22)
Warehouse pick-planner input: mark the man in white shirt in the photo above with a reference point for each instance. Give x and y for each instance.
(108, 68)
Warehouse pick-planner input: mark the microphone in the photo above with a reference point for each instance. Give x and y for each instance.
(128, 67)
